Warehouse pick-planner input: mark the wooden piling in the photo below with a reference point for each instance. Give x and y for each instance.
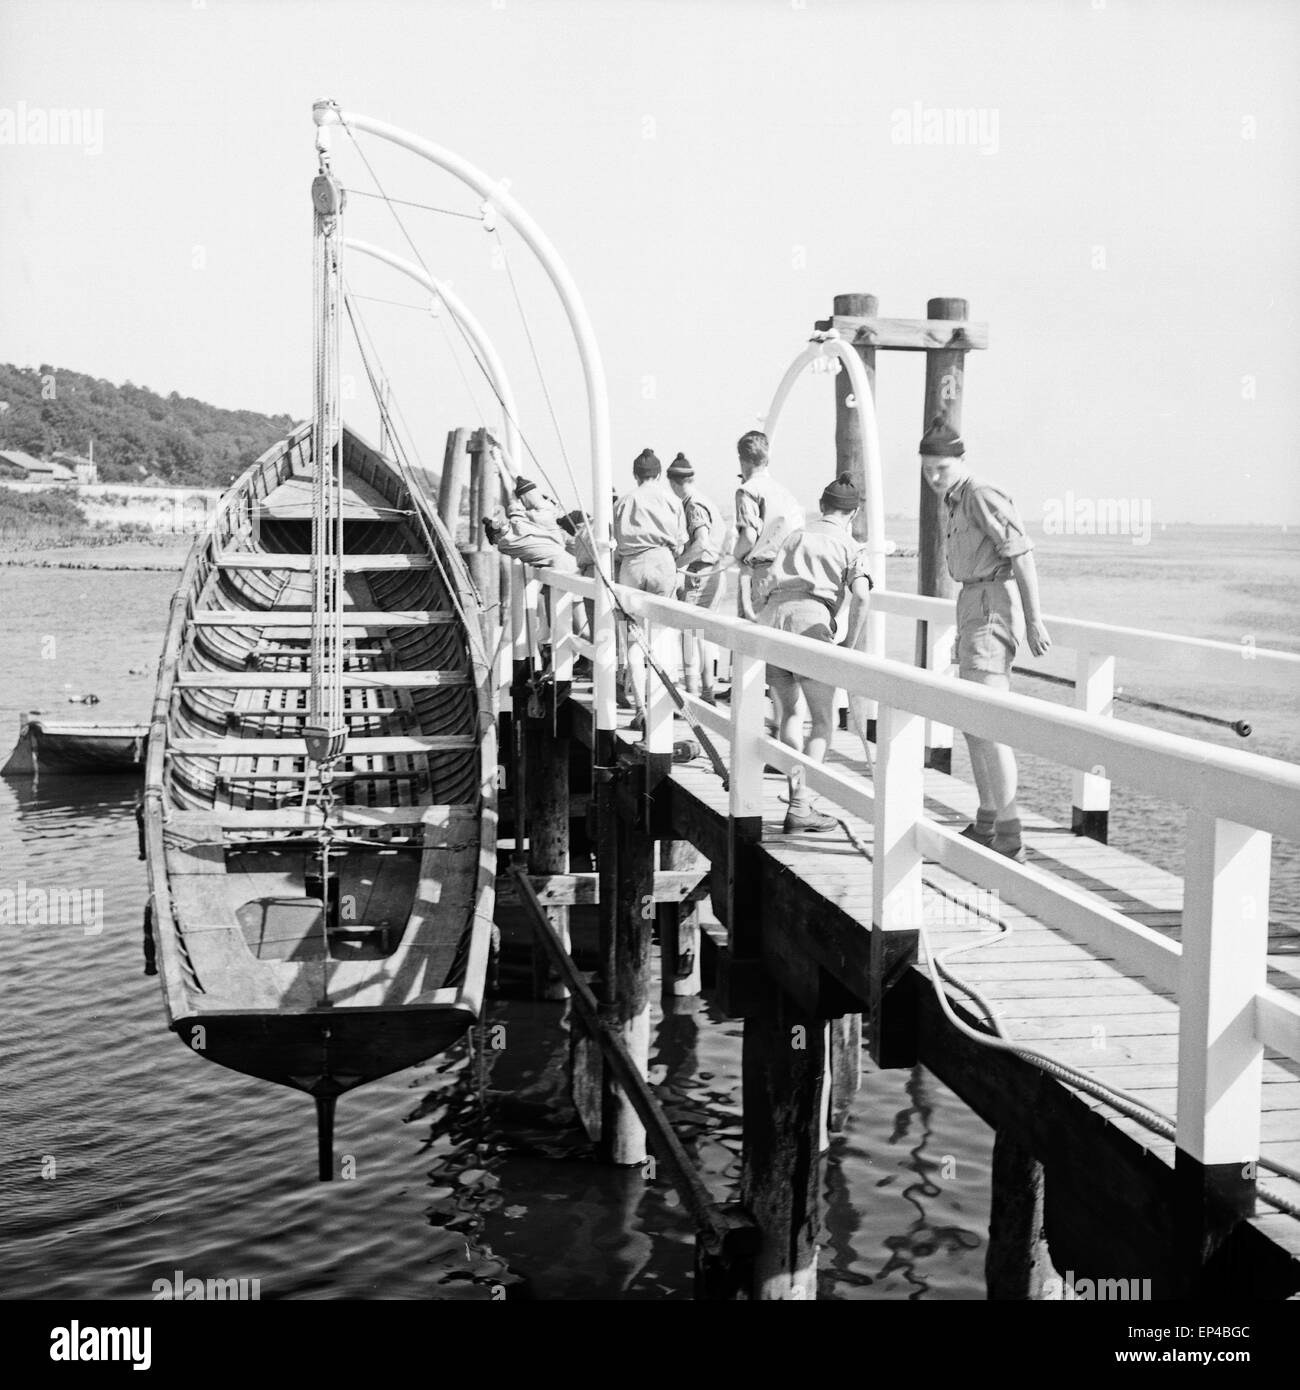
(945, 370)
(628, 1011)
(844, 1068)
(546, 787)
(783, 1073)
(455, 478)
(587, 1069)
(850, 456)
(1017, 1264)
(679, 927)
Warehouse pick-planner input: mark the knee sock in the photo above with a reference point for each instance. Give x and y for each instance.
(1006, 833)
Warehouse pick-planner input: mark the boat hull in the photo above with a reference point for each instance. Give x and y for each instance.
(62, 749)
(321, 937)
(325, 1054)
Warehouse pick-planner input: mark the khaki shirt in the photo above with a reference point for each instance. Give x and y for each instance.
(822, 561)
(764, 505)
(984, 532)
(648, 518)
(532, 538)
(700, 511)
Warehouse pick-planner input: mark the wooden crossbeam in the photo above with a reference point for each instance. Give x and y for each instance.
(352, 617)
(373, 712)
(909, 335)
(301, 564)
(230, 779)
(300, 680)
(583, 890)
(308, 817)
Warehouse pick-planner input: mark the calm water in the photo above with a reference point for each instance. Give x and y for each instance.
(467, 1177)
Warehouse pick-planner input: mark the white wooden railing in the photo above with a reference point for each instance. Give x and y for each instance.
(1096, 647)
(1236, 802)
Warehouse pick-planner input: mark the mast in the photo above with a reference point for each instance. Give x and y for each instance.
(326, 732)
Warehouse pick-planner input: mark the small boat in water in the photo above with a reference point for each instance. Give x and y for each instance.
(65, 747)
(320, 802)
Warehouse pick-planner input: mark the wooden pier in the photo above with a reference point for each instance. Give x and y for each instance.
(1132, 1036)
(1077, 953)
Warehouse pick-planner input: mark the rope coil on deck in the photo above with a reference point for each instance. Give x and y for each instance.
(1126, 1104)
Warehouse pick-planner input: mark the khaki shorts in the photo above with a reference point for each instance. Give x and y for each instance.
(990, 627)
(703, 589)
(651, 571)
(805, 617)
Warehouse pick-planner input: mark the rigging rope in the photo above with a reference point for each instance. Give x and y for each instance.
(532, 347)
(414, 487)
(427, 207)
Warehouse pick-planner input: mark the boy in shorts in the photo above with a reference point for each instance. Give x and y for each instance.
(698, 566)
(814, 569)
(991, 557)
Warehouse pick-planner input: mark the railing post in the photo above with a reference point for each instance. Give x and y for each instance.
(562, 637)
(896, 904)
(1220, 1059)
(1094, 693)
(945, 370)
(659, 705)
(634, 908)
(939, 639)
(748, 682)
(741, 983)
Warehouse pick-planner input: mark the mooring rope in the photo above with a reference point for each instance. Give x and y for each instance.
(1129, 1105)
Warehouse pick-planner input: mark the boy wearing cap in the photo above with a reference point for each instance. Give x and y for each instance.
(698, 565)
(529, 531)
(578, 532)
(991, 557)
(766, 513)
(649, 534)
(813, 571)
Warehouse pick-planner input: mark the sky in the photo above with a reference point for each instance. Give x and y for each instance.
(1121, 209)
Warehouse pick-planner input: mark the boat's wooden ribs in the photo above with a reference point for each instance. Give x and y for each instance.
(301, 564)
(281, 617)
(301, 680)
(297, 748)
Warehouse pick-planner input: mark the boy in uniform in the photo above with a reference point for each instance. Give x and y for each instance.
(991, 557)
(649, 534)
(813, 571)
(766, 513)
(698, 566)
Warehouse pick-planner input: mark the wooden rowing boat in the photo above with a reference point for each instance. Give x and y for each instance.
(322, 937)
(66, 747)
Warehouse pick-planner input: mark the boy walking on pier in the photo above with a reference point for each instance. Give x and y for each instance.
(991, 557)
(649, 534)
(766, 513)
(813, 571)
(701, 576)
